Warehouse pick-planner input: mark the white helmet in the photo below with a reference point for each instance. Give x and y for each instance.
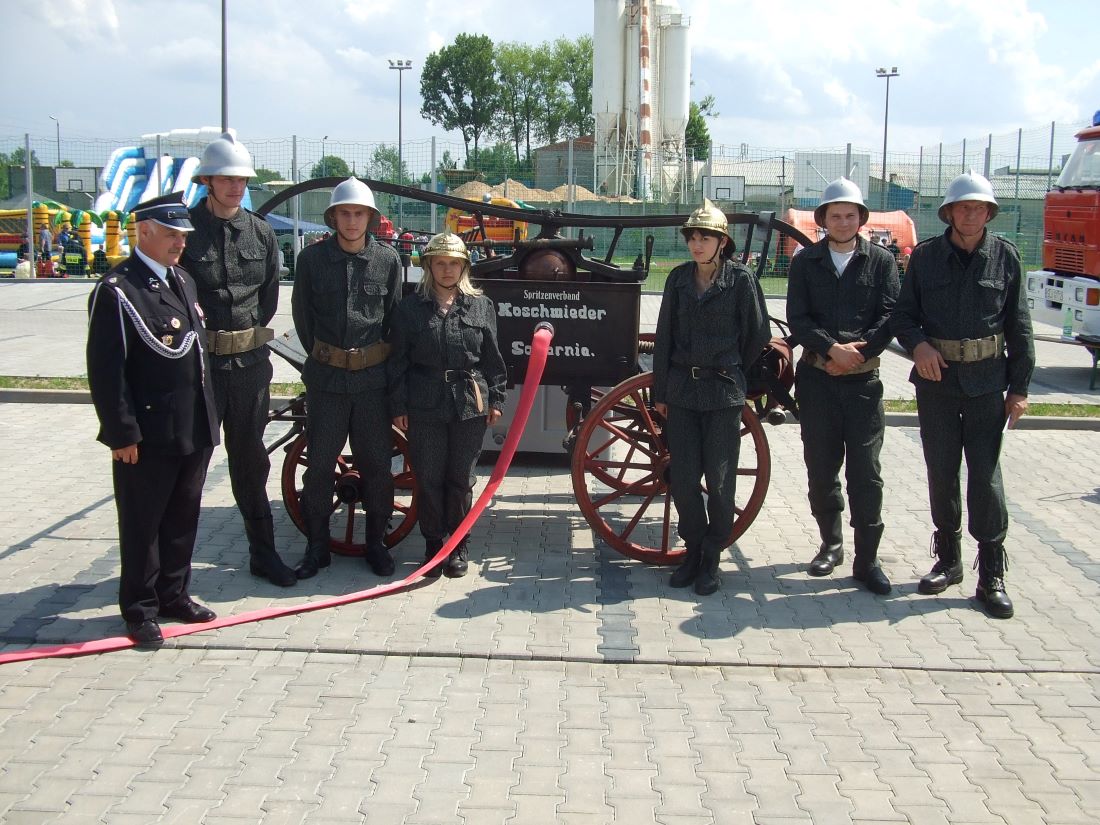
(224, 156)
(841, 190)
(350, 191)
(969, 186)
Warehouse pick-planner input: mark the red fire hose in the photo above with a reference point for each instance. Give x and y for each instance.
(540, 346)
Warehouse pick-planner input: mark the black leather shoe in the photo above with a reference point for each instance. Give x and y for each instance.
(271, 567)
(871, 577)
(380, 560)
(146, 633)
(991, 593)
(826, 560)
(188, 612)
(684, 575)
(312, 562)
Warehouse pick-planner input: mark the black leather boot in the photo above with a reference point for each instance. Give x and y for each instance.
(318, 553)
(992, 562)
(831, 551)
(948, 569)
(865, 568)
(431, 547)
(458, 562)
(707, 580)
(263, 560)
(685, 574)
(377, 555)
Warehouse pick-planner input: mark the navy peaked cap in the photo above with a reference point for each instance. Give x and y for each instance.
(169, 210)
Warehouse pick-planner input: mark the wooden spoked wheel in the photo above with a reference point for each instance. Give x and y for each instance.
(347, 522)
(620, 474)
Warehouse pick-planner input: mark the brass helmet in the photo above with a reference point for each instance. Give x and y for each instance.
(709, 218)
(445, 245)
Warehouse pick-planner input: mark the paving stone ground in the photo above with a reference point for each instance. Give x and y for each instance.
(559, 682)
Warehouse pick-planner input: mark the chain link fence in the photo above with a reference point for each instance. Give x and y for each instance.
(1022, 166)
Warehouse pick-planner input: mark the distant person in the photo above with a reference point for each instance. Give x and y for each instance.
(75, 257)
(345, 292)
(22, 269)
(234, 259)
(406, 248)
(24, 250)
(447, 383)
(147, 375)
(839, 295)
(288, 260)
(100, 264)
(963, 315)
(699, 387)
(45, 241)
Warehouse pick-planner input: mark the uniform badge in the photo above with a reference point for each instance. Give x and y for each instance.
(167, 340)
(154, 283)
(198, 309)
(113, 279)
(175, 323)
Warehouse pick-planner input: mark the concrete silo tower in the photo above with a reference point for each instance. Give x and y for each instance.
(640, 97)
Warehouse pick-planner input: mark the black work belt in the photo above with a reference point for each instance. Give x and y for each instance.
(454, 377)
(231, 342)
(351, 359)
(970, 349)
(710, 373)
(819, 361)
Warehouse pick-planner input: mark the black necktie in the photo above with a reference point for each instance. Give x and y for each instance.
(174, 283)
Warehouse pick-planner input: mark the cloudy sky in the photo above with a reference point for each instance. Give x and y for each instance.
(785, 74)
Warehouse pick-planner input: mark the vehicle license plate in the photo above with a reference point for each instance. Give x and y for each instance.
(1054, 295)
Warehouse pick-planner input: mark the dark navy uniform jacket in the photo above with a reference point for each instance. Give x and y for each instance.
(425, 343)
(147, 375)
(944, 297)
(823, 309)
(240, 289)
(724, 329)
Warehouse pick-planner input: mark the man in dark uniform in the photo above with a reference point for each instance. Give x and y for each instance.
(148, 378)
(345, 292)
(234, 258)
(963, 315)
(75, 257)
(839, 296)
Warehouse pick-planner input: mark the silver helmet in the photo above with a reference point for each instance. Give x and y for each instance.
(841, 190)
(969, 186)
(224, 156)
(351, 191)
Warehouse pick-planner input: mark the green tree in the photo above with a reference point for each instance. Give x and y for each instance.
(264, 175)
(384, 166)
(19, 156)
(459, 88)
(553, 105)
(573, 66)
(697, 135)
(499, 162)
(330, 166)
(5, 166)
(516, 71)
(67, 164)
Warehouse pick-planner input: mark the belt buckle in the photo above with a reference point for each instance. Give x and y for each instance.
(964, 343)
(447, 376)
(223, 342)
(695, 373)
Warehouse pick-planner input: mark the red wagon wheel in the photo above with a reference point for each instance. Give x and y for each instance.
(620, 474)
(347, 523)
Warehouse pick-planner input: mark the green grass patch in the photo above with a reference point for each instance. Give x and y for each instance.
(659, 268)
(1034, 408)
(8, 382)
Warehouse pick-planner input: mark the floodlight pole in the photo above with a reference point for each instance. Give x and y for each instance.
(399, 66)
(893, 72)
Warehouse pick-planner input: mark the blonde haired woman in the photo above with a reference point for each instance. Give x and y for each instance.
(446, 386)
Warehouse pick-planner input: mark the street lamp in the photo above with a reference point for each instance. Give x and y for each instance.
(880, 72)
(58, 122)
(324, 164)
(399, 66)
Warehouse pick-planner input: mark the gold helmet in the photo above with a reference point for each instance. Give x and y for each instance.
(446, 245)
(709, 218)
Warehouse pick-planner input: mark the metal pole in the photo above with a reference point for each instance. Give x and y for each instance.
(294, 176)
(1019, 147)
(939, 173)
(160, 174)
(988, 155)
(920, 182)
(400, 98)
(848, 161)
(58, 122)
(28, 178)
(963, 169)
(225, 73)
(885, 127)
(569, 175)
(1050, 159)
(435, 185)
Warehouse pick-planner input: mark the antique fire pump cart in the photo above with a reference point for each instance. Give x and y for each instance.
(619, 459)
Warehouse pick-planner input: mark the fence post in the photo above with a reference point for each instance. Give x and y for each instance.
(939, 173)
(988, 155)
(296, 212)
(848, 160)
(963, 169)
(160, 174)
(435, 187)
(1019, 147)
(1050, 159)
(920, 184)
(28, 178)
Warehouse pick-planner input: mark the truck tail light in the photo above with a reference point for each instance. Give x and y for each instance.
(1092, 297)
